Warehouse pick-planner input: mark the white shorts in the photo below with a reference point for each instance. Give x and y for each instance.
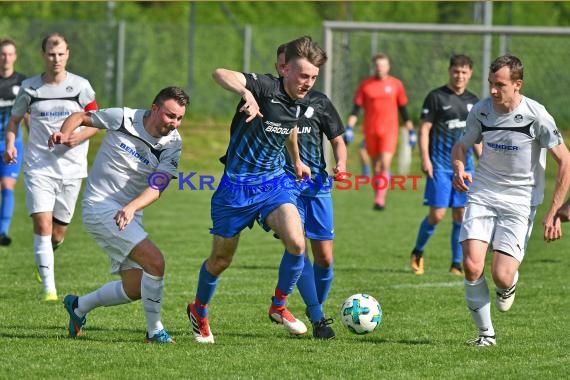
(100, 223)
(55, 195)
(530, 224)
(505, 226)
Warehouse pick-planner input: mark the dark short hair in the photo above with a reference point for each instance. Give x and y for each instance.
(510, 61)
(460, 60)
(305, 47)
(281, 49)
(377, 56)
(172, 92)
(55, 37)
(7, 41)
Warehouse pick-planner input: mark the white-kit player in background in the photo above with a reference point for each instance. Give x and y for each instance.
(52, 176)
(508, 185)
(137, 158)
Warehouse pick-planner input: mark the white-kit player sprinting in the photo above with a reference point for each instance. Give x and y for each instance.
(137, 158)
(52, 176)
(508, 185)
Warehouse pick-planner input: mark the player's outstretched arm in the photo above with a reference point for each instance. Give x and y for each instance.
(77, 138)
(70, 124)
(235, 81)
(552, 229)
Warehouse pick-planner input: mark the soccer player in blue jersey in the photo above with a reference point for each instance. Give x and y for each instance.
(443, 118)
(314, 200)
(264, 123)
(10, 82)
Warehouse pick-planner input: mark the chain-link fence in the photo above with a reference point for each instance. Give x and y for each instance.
(421, 60)
(131, 63)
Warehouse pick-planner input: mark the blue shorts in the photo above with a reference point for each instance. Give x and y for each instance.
(12, 170)
(440, 193)
(236, 207)
(317, 216)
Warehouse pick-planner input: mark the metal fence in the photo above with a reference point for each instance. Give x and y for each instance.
(127, 63)
(419, 55)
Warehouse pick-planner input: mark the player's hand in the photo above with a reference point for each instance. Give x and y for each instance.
(459, 179)
(412, 138)
(73, 140)
(552, 228)
(339, 172)
(427, 168)
(302, 171)
(123, 218)
(348, 135)
(10, 156)
(250, 107)
(56, 138)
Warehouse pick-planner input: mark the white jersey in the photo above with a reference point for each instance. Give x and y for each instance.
(48, 106)
(128, 156)
(512, 164)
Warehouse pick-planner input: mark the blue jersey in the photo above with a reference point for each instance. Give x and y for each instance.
(9, 88)
(447, 112)
(255, 151)
(320, 118)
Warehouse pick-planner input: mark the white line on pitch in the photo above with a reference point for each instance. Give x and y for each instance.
(428, 285)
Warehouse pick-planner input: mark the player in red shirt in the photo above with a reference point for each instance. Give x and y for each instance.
(381, 96)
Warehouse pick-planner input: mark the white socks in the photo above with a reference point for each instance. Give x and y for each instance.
(110, 294)
(43, 253)
(152, 288)
(479, 304)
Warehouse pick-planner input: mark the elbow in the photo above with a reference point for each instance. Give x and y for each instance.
(217, 74)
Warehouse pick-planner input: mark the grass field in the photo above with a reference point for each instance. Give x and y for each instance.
(423, 333)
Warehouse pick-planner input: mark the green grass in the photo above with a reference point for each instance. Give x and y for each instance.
(422, 335)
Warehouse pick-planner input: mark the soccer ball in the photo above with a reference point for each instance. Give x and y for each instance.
(361, 313)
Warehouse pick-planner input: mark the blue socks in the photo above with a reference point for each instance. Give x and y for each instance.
(323, 281)
(456, 249)
(289, 271)
(425, 232)
(6, 210)
(206, 287)
(306, 286)
(314, 285)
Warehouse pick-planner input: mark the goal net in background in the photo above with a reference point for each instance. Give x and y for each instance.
(419, 56)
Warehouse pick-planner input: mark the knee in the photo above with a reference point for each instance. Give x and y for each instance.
(155, 265)
(295, 245)
(435, 219)
(473, 269)
(217, 264)
(324, 262)
(132, 291)
(503, 277)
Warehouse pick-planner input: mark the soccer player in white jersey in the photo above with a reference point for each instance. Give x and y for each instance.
(137, 158)
(506, 188)
(52, 176)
